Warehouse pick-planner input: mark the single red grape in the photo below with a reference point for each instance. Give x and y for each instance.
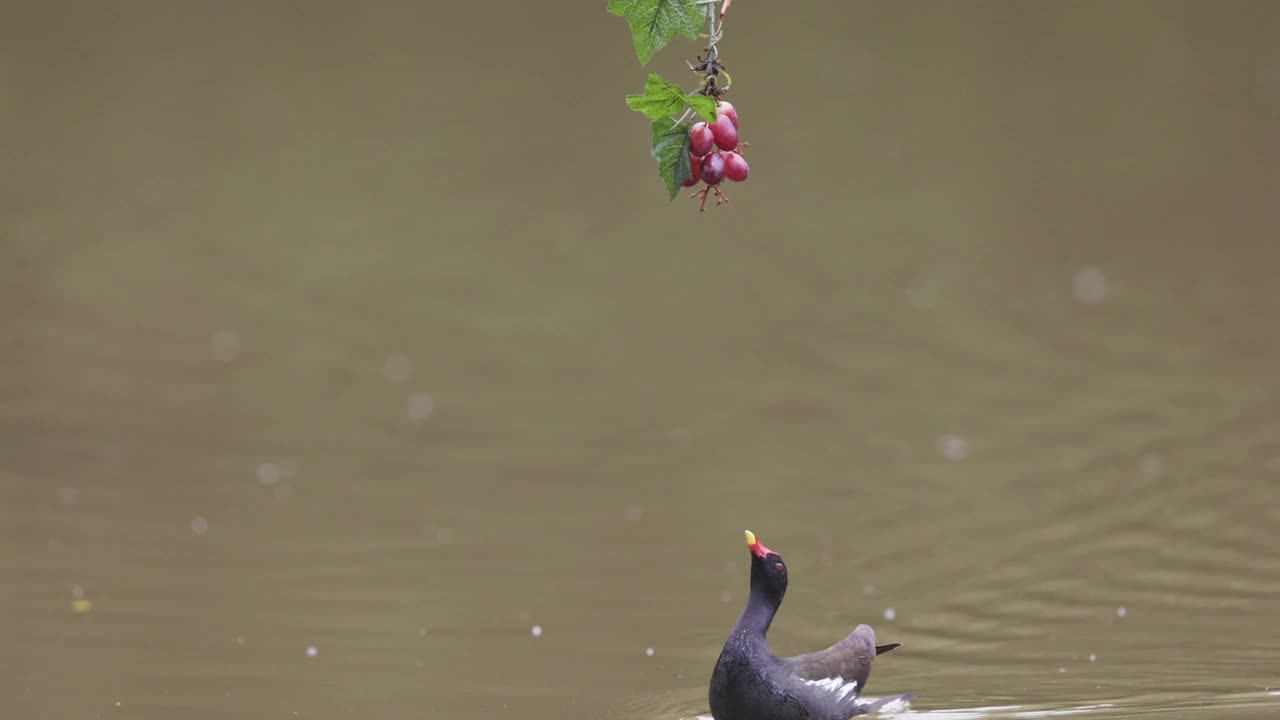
(735, 167)
(713, 168)
(695, 164)
(725, 133)
(724, 108)
(701, 139)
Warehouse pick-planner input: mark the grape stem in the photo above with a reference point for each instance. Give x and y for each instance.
(710, 65)
(714, 30)
(721, 198)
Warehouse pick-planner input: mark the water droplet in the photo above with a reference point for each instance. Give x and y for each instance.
(1092, 657)
(1151, 464)
(224, 345)
(1121, 612)
(953, 447)
(68, 496)
(890, 614)
(269, 473)
(397, 368)
(420, 406)
(312, 651)
(725, 596)
(633, 513)
(868, 589)
(536, 631)
(444, 535)
(648, 651)
(240, 640)
(1090, 285)
(199, 525)
(1062, 669)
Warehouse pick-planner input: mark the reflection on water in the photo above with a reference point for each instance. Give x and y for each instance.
(350, 364)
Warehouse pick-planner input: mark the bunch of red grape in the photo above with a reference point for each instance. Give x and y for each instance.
(715, 153)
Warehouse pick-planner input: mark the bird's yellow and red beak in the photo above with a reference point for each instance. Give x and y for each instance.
(756, 548)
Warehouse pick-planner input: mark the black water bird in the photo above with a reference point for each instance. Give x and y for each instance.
(751, 683)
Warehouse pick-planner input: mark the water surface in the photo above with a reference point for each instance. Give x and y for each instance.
(352, 362)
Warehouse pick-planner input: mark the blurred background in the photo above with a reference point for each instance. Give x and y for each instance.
(354, 363)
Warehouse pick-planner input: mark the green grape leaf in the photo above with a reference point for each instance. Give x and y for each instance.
(703, 105)
(660, 98)
(654, 23)
(671, 148)
(664, 99)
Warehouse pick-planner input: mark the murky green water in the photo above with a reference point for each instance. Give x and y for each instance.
(342, 348)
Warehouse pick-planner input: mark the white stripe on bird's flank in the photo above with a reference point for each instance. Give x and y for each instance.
(835, 685)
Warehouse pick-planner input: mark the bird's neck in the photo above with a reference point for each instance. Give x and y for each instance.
(758, 614)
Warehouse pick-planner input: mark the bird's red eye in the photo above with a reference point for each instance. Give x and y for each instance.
(780, 567)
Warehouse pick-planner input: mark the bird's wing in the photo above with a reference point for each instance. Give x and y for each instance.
(849, 660)
(836, 697)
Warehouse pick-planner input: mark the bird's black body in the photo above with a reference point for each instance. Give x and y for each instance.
(751, 683)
